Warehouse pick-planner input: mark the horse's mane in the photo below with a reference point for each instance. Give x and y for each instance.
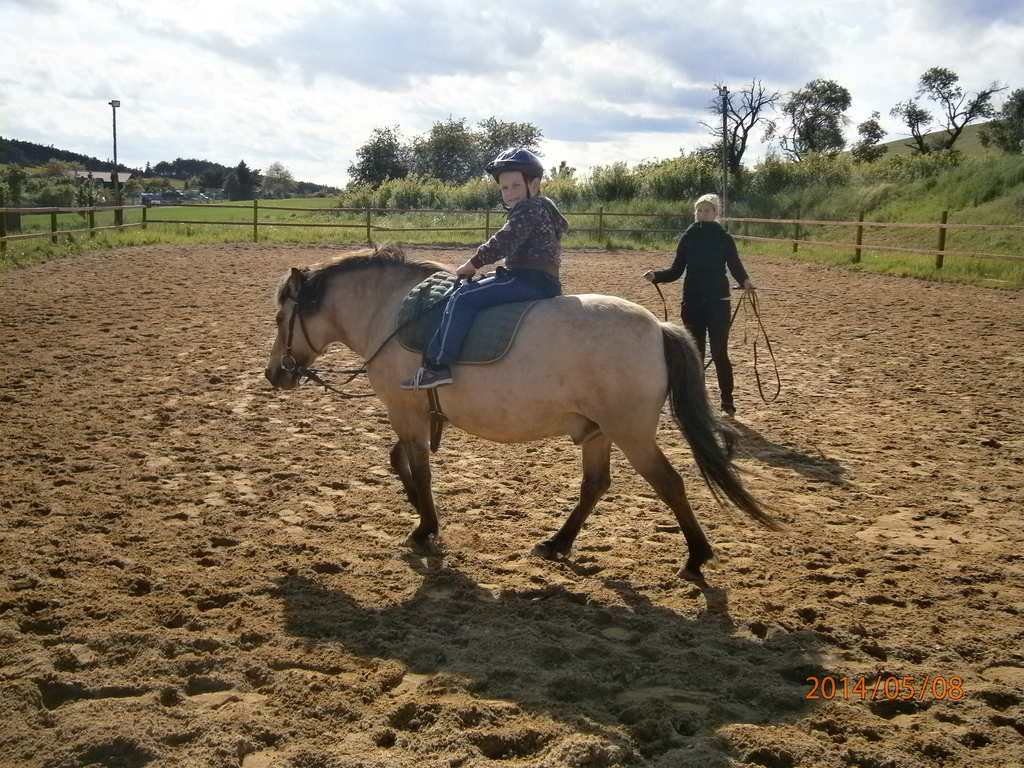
(316, 277)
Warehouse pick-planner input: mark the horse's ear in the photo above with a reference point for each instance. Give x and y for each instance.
(294, 282)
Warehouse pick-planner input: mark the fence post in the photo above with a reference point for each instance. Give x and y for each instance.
(119, 217)
(600, 224)
(144, 210)
(796, 232)
(53, 227)
(860, 237)
(942, 242)
(369, 237)
(3, 232)
(487, 224)
(92, 223)
(255, 220)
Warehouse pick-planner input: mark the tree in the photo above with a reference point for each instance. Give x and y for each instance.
(495, 136)
(958, 108)
(277, 181)
(564, 172)
(381, 158)
(744, 111)
(917, 119)
(241, 182)
(816, 119)
(871, 132)
(1007, 130)
(449, 152)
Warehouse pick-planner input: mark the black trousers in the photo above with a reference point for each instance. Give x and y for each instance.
(710, 319)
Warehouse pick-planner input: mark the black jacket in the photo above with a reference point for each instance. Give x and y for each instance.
(704, 251)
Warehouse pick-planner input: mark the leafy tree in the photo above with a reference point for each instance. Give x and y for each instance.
(744, 111)
(495, 136)
(867, 150)
(562, 173)
(58, 169)
(277, 181)
(241, 182)
(958, 108)
(917, 119)
(449, 152)
(381, 158)
(816, 118)
(14, 181)
(1007, 130)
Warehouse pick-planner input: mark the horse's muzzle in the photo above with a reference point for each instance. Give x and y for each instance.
(279, 378)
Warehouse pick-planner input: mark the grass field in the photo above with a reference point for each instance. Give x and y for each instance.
(272, 214)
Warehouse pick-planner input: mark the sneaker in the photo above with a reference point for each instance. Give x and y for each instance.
(729, 409)
(429, 378)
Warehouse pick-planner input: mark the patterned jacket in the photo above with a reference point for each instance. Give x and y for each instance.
(530, 239)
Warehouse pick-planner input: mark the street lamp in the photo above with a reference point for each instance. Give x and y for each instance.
(723, 91)
(114, 104)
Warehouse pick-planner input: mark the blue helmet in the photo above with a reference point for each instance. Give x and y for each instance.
(516, 160)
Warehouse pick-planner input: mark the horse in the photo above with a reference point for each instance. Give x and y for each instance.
(593, 367)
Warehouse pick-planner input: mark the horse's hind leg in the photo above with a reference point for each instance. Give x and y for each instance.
(647, 458)
(596, 479)
(400, 463)
(423, 538)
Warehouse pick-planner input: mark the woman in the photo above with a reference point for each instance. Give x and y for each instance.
(530, 242)
(703, 253)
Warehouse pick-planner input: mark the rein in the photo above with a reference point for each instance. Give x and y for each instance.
(751, 298)
(289, 364)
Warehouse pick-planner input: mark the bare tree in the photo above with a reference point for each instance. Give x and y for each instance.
(744, 110)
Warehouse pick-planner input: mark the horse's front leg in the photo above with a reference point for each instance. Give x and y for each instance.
(424, 538)
(596, 480)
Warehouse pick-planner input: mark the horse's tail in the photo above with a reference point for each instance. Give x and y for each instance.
(699, 425)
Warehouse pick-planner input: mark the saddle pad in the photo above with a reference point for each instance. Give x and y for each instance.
(488, 340)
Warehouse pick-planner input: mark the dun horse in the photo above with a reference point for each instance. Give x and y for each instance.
(595, 368)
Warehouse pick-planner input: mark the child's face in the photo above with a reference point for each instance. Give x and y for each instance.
(704, 212)
(514, 185)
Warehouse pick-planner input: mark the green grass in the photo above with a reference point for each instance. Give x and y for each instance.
(910, 204)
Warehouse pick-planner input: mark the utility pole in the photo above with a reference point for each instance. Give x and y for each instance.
(114, 104)
(723, 91)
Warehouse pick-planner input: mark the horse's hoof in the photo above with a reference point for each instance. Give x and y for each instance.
(424, 546)
(549, 550)
(694, 576)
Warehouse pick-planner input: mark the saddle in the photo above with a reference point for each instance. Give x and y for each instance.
(494, 329)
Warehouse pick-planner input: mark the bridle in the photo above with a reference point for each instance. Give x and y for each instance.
(290, 365)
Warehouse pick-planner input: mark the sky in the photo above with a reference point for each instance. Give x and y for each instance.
(305, 82)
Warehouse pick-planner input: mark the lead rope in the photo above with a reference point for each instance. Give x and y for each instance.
(750, 297)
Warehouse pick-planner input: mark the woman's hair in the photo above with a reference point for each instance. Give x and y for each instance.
(711, 199)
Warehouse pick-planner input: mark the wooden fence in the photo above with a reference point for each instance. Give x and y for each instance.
(858, 245)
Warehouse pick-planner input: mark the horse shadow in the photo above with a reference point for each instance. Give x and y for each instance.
(631, 674)
(815, 466)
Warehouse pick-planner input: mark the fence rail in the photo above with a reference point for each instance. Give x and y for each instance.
(941, 227)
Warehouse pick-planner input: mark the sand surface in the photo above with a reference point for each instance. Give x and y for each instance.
(198, 571)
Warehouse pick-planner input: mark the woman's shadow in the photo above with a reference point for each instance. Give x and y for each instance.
(815, 466)
(624, 670)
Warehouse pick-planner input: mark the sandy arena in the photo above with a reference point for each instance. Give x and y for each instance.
(200, 572)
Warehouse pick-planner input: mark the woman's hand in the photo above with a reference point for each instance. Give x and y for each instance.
(649, 275)
(748, 285)
(466, 270)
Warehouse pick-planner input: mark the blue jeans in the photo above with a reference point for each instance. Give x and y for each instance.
(504, 287)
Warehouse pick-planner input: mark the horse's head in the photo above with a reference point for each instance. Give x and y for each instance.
(294, 348)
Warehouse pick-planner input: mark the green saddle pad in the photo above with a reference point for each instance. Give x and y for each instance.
(488, 340)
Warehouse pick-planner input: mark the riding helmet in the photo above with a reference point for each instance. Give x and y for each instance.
(516, 160)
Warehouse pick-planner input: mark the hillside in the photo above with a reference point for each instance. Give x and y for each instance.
(969, 143)
(28, 155)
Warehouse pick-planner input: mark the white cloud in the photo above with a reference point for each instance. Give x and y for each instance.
(305, 82)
